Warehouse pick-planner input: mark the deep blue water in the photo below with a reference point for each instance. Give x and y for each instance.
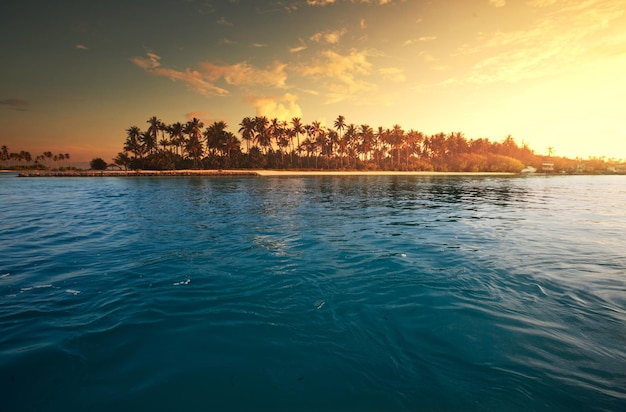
(313, 293)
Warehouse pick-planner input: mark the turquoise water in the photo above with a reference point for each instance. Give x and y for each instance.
(313, 293)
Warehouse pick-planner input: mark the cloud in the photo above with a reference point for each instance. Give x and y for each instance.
(419, 39)
(392, 73)
(258, 45)
(244, 74)
(498, 3)
(81, 47)
(541, 3)
(327, 2)
(330, 36)
(194, 79)
(564, 37)
(148, 63)
(280, 107)
(319, 2)
(342, 68)
(222, 21)
(341, 74)
(202, 79)
(297, 49)
(204, 116)
(15, 103)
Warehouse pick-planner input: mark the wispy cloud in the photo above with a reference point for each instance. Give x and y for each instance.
(392, 73)
(563, 38)
(15, 104)
(419, 39)
(202, 115)
(541, 3)
(319, 2)
(227, 42)
(194, 79)
(297, 49)
(244, 74)
(81, 47)
(498, 3)
(327, 2)
(203, 79)
(222, 21)
(329, 36)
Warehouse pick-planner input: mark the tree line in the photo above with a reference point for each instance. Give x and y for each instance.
(278, 144)
(24, 160)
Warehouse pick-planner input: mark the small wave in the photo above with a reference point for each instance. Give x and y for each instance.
(184, 282)
(4, 275)
(73, 291)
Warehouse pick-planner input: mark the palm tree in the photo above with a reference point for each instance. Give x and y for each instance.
(177, 136)
(155, 126)
(215, 136)
(195, 149)
(230, 144)
(262, 136)
(149, 142)
(396, 139)
(122, 159)
(133, 142)
(351, 142)
(366, 134)
(193, 146)
(340, 125)
(247, 131)
(296, 126)
(4, 153)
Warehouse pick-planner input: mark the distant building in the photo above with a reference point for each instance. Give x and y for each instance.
(547, 167)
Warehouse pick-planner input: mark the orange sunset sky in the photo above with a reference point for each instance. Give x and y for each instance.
(551, 73)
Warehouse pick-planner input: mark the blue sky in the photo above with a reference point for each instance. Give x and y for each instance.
(76, 74)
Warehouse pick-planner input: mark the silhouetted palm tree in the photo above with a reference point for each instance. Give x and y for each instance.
(230, 144)
(155, 126)
(298, 129)
(133, 142)
(262, 135)
(247, 131)
(4, 153)
(177, 136)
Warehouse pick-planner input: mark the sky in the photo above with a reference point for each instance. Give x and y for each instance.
(551, 73)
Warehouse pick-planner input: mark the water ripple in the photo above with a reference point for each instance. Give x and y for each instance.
(361, 293)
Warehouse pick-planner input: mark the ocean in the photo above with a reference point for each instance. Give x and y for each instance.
(333, 293)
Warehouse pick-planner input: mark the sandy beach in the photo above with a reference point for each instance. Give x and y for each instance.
(245, 172)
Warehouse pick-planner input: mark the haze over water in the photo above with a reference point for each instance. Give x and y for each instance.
(313, 293)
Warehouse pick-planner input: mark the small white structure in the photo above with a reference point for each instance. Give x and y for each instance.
(529, 169)
(547, 167)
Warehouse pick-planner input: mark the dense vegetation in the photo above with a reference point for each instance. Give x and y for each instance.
(293, 145)
(274, 144)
